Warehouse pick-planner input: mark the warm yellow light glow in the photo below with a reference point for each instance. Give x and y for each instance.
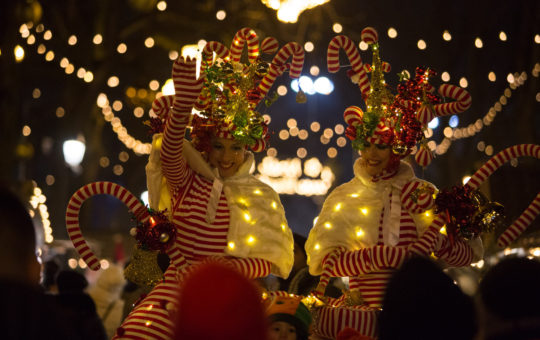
(354, 195)
(445, 76)
(427, 214)
(289, 10)
(231, 245)
(443, 230)
(317, 246)
(88, 77)
(72, 40)
(26, 131)
(465, 179)
(392, 33)
(447, 36)
(327, 225)
(314, 70)
(283, 227)
(491, 76)
(364, 211)
(98, 39)
(250, 239)
(421, 44)
(168, 88)
(478, 43)
(282, 90)
(257, 192)
(18, 51)
(122, 48)
(360, 233)
(308, 46)
(221, 15)
(247, 217)
(113, 81)
(337, 207)
(337, 27)
(463, 82)
(149, 42)
(161, 6)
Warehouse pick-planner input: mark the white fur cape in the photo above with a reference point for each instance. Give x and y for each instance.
(351, 214)
(257, 228)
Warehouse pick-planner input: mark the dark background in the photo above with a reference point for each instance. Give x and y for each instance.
(185, 22)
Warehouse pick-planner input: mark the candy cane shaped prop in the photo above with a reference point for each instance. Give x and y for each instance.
(269, 45)
(278, 65)
(369, 35)
(351, 51)
(244, 35)
(162, 105)
(519, 225)
(214, 47)
(462, 103)
(531, 150)
(74, 207)
(208, 54)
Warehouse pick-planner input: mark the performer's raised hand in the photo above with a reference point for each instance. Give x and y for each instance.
(186, 85)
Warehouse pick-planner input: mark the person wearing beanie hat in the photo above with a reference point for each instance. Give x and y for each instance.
(217, 302)
(289, 319)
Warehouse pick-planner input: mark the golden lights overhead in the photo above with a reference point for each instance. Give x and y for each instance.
(289, 10)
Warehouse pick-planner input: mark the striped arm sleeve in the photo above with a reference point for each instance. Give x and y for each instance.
(368, 260)
(252, 268)
(173, 164)
(457, 255)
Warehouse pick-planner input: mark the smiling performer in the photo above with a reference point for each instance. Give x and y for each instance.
(367, 226)
(219, 210)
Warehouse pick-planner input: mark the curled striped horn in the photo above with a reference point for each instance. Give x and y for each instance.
(162, 105)
(74, 207)
(351, 51)
(269, 45)
(214, 47)
(462, 103)
(279, 65)
(208, 54)
(260, 145)
(369, 35)
(244, 35)
(531, 150)
(353, 115)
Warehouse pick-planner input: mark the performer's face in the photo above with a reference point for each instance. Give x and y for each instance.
(375, 158)
(227, 155)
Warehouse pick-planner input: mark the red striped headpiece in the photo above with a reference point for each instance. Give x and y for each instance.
(397, 119)
(234, 89)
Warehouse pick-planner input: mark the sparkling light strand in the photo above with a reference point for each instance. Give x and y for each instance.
(452, 134)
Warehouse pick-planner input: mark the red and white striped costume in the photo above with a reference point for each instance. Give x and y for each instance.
(365, 225)
(237, 219)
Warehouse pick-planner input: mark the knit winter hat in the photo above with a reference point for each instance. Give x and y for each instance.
(218, 303)
(290, 309)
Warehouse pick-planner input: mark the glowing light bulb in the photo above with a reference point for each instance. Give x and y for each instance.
(360, 233)
(364, 211)
(231, 245)
(317, 246)
(327, 225)
(19, 53)
(337, 207)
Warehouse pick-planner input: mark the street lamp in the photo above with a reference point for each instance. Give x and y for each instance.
(74, 153)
